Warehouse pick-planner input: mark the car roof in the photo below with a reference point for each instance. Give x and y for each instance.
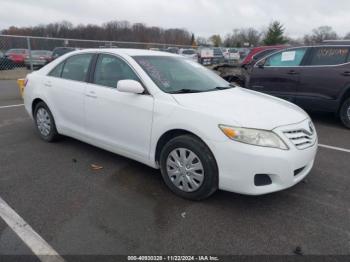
(125, 51)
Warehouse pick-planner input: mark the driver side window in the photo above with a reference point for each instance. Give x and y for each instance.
(110, 69)
(286, 58)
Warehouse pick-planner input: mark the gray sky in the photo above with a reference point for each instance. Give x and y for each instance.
(203, 17)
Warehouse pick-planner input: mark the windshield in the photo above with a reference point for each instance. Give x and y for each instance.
(173, 74)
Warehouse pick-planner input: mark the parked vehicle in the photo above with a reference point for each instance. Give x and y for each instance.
(59, 51)
(315, 78)
(38, 58)
(257, 57)
(218, 56)
(173, 50)
(6, 63)
(243, 52)
(17, 56)
(154, 49)
(174, 114)
(336, 42)
(205, 55)
(189, 53)
(231, 54)
(249, 58)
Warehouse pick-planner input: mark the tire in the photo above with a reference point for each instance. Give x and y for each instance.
(45, 123)
(188, 179)
(344, 112)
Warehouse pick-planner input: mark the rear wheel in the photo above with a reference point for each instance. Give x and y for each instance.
(345, 112)
(45, 123)
(188, 168)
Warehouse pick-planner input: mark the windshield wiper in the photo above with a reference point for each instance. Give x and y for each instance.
(225, 87)
(185, 90)
(222, 88)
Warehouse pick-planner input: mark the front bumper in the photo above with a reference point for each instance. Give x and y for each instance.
(239, 163)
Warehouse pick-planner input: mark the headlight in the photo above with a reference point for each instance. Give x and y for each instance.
(254, 136)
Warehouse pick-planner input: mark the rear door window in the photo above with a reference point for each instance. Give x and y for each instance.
(292, 57)
(76, 67)
(329, 56)
(56, 72)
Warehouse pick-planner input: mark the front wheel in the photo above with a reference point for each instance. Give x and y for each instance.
(188, 168)
(45, 123)
(345, 112)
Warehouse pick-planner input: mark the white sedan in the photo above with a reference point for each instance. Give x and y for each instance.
(173, 114)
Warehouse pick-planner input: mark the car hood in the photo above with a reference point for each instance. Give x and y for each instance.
(242, 107)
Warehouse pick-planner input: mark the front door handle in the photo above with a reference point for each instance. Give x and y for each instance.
(346, 73)
(91, 94)
(48, 84)
(292, 72)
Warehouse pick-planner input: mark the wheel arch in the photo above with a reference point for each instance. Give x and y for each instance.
(170, 134)
(35, 102)
(344, 96)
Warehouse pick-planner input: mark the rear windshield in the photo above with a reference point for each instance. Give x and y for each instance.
(41, 52)
(188, 52)
(16, 51)
(217, 51)
(62, 51)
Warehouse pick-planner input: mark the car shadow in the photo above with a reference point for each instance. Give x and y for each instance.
(327, 119)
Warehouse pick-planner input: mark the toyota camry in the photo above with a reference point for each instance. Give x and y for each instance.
(175, 115)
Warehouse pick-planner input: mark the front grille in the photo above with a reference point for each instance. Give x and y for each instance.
(300, 138)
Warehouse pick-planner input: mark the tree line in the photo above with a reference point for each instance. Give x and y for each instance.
(110, 31)
(139, 32)
(273, 35)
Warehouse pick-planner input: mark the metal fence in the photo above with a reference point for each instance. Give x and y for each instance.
(22, 54)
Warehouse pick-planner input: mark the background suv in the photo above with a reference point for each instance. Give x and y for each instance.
(315, 78)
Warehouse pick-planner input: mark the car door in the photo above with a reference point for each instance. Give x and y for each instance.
(118, 121)
(325, 75)
(66, 84)
(278, 74)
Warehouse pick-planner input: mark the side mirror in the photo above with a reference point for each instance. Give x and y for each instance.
(130, 86)
(261, 63)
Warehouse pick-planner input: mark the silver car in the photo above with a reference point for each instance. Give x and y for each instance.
(39, 58)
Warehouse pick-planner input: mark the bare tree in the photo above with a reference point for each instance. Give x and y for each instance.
(320, 34)
(216, 40)
(110, 31)
(347, 36)
(240, 37)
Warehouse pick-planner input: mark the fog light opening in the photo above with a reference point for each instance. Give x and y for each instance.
(262, 180)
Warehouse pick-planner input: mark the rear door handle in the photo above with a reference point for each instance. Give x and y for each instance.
(346, 73)
(292, 72)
